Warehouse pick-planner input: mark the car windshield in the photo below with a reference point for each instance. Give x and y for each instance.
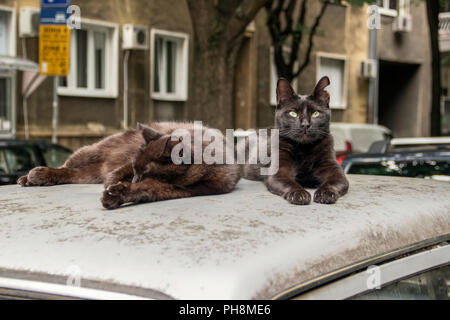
(55, 156)
(416, 168)
(3, 164)
(20, 158)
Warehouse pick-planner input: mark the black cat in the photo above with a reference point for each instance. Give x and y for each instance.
(306, 155)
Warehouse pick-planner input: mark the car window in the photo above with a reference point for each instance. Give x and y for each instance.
(55, 156)
(339, 139)
(419, 148)
(3, 165)
(413, 169)
(430, 285)
(20, 158)
(362, 139)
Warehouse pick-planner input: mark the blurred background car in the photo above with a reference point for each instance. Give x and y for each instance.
(407, 157)
(351, 138)
(17, 157)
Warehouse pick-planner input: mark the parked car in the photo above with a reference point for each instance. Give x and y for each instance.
(17, 157)
(388, 238)
(408, 157)
(411, 144)
(350, 138)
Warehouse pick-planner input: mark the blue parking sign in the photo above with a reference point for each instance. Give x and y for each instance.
(55, 3)
(54, 12)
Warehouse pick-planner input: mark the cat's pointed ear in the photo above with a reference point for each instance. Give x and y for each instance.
(149, 134)
(284, 91)
(320, 94)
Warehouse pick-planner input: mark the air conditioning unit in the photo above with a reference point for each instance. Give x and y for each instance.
(402, 23)
(29, 22)
(369, 69)
(134, 37)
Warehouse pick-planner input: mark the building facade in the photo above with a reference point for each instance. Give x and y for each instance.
(91, 98)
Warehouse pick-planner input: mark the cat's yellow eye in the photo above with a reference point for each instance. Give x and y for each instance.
(293, 114)
(316, 114)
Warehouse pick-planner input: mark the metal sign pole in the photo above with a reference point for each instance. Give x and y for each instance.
(54, 48)
(55, 111)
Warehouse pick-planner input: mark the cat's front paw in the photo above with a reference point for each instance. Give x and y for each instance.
(111, 202)
(23, 181)
(40, 176)
(114, 195)
(298, 197)
(325, 196)
(118, 189)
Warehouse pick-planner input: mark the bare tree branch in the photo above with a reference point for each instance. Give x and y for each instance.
(242, 16)
(298, 34)
(274, 24)
(311, 39)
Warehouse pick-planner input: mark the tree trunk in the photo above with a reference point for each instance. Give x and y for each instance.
(219, 27)
(211, 98)
(433, 20)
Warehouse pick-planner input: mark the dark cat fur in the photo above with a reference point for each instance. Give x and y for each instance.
(155, 177)
(110, 161)
(306, 158)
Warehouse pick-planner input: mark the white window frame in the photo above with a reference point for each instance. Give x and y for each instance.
(402, 5)
(335, 56)
(384, 9)
(12, 74)
(182, 67)
(111, 63)
(12, 42)
(274, 76)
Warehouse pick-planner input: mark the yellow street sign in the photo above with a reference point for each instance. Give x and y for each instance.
(54, 50)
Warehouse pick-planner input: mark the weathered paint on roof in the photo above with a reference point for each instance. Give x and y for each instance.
(247, 244)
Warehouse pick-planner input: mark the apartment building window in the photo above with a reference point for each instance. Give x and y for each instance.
(7, 89)
(388, 7)
(336, 68)
(93, 61)
(393, 7)
(274, 75)
(169, 65)
(7, 31)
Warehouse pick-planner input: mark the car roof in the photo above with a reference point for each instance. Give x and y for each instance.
(248, 244)
(359, 126)
(399, 155)
(17, 142)
(419, 141)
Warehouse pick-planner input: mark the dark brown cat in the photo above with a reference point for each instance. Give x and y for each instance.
(110, 161)
(306, 155)
(155, 177)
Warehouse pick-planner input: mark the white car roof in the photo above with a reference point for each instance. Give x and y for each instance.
(248, 244)
(420, 141)
(342, 125)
